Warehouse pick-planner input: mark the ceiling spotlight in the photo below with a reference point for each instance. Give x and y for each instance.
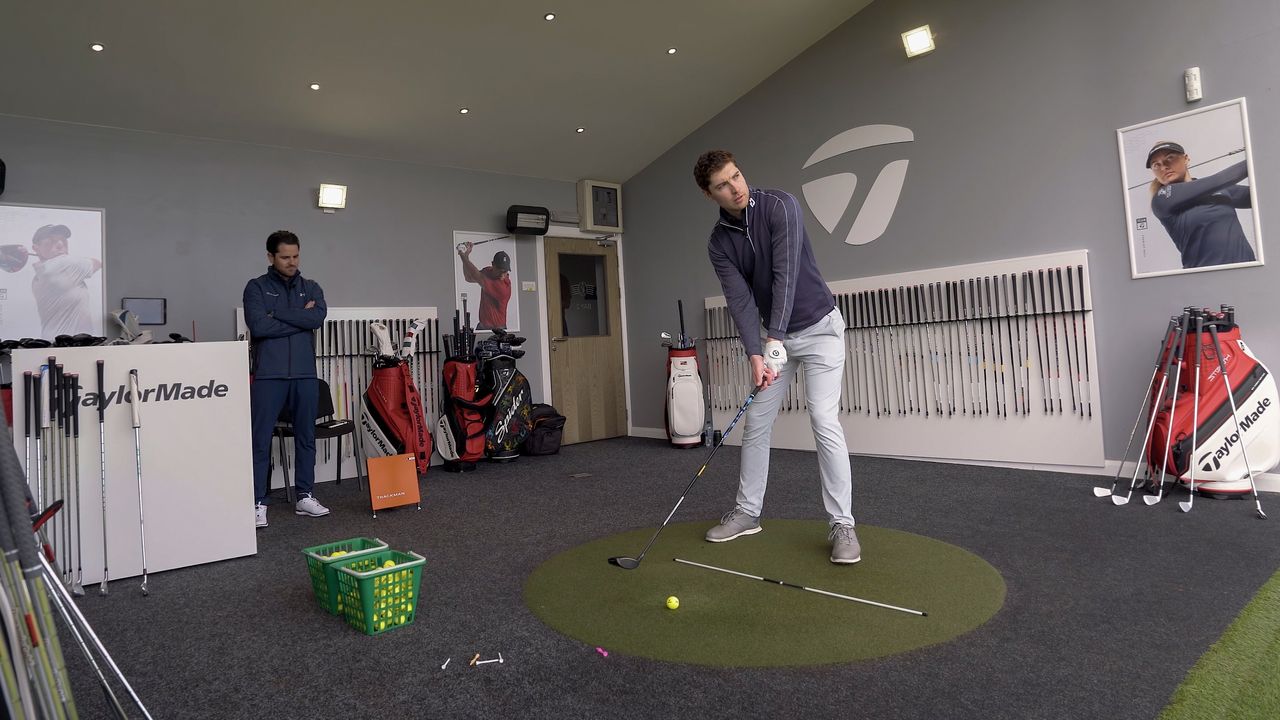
(463, 111)
(918, 41)
(581, 130)
(97, 47)
(671, 51)
(549, 17)
(315, 86)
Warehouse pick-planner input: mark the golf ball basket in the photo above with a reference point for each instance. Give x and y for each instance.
(324, 569)
(375, 598)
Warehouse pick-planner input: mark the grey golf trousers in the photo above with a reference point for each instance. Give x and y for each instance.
(817, 351)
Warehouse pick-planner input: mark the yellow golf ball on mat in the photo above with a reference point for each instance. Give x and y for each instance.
(673, 602)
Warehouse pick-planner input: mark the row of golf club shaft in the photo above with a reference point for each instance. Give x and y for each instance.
(1171, 360)
(52, 400)
(963, 347)
(345, 355)
(34, 680)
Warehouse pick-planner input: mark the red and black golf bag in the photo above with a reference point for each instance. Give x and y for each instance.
(1220, 449)
(463, 419)
(392, 421)
(509, 422)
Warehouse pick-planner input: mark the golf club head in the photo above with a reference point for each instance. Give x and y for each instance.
(1151, 499)
(1101, 492)
(665, 335)
(1119, 499)
(1185, 506)
(625, 563)
(1261, 515)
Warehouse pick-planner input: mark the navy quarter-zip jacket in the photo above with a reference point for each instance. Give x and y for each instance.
(767, 269)
(281, 328)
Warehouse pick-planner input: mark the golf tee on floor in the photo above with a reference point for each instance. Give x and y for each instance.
(801, 587)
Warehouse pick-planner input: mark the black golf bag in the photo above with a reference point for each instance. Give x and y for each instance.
(508, 421)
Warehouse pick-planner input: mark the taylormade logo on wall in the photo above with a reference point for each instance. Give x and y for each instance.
(829, 197)
(164, 392)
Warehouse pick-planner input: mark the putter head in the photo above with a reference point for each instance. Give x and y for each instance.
(625, 563)
(1101, 492)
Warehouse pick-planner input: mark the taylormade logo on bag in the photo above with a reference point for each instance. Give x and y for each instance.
(1213, 461)
(161, 393)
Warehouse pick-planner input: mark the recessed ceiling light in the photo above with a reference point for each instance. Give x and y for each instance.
(97, 47)
(315, 86)
(549, 17)
(671, 51)
(464, 111)
(581, 130)
(918, 41)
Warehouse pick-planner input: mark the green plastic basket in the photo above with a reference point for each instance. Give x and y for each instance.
(377, 598)
(323, 568)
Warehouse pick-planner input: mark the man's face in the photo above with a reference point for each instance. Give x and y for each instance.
(285, 259)
(1169, 166)
(728, 188)
(50, 247)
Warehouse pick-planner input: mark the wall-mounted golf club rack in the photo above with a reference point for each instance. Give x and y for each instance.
(344, 359)
(991, 361)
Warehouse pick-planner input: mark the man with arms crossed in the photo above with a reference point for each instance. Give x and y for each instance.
(761, 253)
(282, 310)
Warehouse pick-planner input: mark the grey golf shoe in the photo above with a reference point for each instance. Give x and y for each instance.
(734, 524)
(845, 548)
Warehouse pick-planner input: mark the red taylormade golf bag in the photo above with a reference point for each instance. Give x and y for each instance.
(1219, 460)
(509, 422)
(391, 420)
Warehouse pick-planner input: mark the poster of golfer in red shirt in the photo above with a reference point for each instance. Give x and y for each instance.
(485, 276)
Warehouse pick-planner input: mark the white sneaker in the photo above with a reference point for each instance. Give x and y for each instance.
(308, 505)
(261, 511)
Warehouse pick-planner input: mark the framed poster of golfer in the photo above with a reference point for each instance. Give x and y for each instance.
(484, 271)
(52, 281)
(1190, 192)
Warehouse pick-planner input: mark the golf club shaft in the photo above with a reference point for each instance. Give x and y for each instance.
(802, 587)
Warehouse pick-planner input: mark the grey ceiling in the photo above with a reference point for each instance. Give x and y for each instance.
(393, 73)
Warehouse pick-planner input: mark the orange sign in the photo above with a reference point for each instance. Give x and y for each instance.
(393, 481)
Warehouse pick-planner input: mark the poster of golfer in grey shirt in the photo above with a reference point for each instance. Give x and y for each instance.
(1190, 192)
(51, 281)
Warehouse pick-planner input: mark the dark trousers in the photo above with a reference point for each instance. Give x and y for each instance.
(266, 399)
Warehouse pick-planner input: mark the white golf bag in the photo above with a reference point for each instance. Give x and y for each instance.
(686, 408)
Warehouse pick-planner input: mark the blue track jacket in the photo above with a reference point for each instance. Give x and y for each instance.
(767, 269)
(281, 330)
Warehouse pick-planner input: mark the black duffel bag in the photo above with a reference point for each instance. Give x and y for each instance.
(546, 430)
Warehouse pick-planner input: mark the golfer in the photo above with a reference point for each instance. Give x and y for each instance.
(495, 287)
(62, 296)
(761, 253)
(1200, 213)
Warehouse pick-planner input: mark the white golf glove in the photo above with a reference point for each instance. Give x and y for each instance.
(775, 355)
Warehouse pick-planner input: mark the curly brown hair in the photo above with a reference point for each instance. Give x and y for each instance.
(709, 163)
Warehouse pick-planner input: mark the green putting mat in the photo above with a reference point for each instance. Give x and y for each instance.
(733, 621)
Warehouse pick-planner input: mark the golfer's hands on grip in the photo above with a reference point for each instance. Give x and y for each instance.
(761, 373)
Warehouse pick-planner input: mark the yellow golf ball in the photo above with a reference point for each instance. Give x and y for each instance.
(338, 553)
(673, 602)
(389, 563)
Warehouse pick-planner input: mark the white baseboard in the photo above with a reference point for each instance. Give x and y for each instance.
(647, 432)
(1267, 482)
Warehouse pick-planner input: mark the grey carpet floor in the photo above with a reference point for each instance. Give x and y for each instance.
(1107, 607)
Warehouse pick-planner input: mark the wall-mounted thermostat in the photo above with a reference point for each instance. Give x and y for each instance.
(599, 206)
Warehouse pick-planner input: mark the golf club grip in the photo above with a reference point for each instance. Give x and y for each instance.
(74, 405)
(26, 402)
(35, 403)
(134, 399)
(102, 401)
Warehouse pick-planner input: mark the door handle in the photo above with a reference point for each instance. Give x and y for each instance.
(559, 339)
